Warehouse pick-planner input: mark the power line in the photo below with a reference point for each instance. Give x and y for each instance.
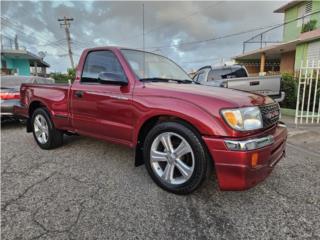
(52, 43)
(28, 38)
(210, 39)
(33, 37)
(251, 40)
(230, 35)
(36, 36)
(17, 26)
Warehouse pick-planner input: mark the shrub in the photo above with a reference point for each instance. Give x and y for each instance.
(309, 26)
(289, 85)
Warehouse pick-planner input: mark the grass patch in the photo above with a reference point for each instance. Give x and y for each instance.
(288, 112)
(292, 112)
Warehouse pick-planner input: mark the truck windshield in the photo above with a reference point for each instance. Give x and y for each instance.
(149, 66)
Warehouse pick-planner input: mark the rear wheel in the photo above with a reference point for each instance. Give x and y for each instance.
(175, 157)
(44, 132)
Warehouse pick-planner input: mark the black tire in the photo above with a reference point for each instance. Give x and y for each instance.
(200, 157)
(55, 137)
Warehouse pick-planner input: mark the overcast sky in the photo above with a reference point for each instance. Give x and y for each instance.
(168, 26)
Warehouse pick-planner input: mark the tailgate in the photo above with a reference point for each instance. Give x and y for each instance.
(266, 85)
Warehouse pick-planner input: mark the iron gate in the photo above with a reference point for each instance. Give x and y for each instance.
(308, 96)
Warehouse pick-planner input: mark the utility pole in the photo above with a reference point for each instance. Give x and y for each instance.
(16, 44)
(66, 24)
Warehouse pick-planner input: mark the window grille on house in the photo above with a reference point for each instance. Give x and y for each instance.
(304, 12)
(313, 54)
(308, 6)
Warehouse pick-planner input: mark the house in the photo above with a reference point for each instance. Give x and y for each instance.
(16, 61)
(301, 42)
(22, 63)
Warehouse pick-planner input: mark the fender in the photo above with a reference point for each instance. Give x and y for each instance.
(204, 122)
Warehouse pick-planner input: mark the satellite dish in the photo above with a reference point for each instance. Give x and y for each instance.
(42, 54)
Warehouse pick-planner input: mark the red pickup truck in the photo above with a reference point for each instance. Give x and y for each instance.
(179, 129)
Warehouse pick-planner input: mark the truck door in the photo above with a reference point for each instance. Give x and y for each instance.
(102, 110)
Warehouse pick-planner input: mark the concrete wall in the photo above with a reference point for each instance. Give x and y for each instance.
(316, 7)
(290, 30)
(287, 62)
(301, 54)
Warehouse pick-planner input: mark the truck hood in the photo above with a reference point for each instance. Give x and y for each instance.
(199, 93)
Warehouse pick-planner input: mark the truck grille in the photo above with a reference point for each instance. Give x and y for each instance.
(270, 114)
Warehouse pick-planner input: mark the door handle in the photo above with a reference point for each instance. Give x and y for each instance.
(254, 83)
(78, 94)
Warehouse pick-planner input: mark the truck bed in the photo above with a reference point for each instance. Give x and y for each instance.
(266, 85)
(55, 97)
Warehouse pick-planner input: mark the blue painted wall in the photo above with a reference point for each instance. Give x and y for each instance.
(21, 65)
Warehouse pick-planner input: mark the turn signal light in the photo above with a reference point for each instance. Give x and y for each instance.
(254, 160)
(231, 118)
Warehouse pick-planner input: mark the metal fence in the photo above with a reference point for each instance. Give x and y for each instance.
(308, 96)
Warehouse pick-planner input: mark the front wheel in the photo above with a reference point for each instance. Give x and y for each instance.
(44, 132)
(175, 157)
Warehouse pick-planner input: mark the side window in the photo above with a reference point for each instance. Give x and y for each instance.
(240, 73)
(201, 77)
(101, 61)
(226, 73)
(195, 77)
(217, 74)
(212, 76)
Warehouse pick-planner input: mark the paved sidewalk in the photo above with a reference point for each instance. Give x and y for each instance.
(304, 136)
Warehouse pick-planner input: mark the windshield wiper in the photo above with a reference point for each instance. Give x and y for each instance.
(156, 79)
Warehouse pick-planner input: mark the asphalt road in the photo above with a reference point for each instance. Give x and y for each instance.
(89, 189)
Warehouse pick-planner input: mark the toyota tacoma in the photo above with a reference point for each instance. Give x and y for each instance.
(178, 128)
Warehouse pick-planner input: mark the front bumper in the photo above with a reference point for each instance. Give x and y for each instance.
(235, 169)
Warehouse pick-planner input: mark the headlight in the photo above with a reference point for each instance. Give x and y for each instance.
(243, 119)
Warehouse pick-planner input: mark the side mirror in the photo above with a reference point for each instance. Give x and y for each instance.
(112, 78)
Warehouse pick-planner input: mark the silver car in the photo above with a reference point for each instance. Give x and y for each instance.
(10, 92)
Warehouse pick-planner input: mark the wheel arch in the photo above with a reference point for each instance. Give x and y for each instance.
(32, 107)
(150, 122)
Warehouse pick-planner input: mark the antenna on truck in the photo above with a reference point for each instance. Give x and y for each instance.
(143, 43)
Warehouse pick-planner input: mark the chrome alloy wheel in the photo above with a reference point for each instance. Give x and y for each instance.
(41, 130)
(172, 158)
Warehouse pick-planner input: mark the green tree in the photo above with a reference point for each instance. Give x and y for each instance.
(64, 77)
(71, 74)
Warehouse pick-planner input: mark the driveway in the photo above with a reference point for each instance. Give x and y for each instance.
(89, 189)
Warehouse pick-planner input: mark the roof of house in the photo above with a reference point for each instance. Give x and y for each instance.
(24, 54)
(286, 6)
(274, 51)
